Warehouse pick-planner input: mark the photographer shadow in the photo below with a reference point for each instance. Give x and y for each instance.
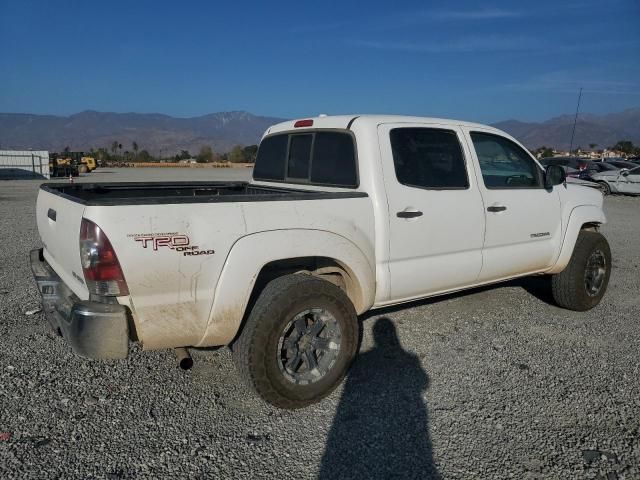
(381, 428)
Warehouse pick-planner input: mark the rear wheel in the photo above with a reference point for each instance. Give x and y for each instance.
(298, 342)
(606, 189)
(583, 283)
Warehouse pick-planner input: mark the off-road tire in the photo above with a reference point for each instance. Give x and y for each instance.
(255, 351)
(568, 287)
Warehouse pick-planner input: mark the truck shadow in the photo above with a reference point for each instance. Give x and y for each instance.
(539, 287)
(20, 174)
(381, 428)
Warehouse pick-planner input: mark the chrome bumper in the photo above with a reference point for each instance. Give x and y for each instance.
(93, 329)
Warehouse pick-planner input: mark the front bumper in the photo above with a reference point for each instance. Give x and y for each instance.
(93, 329)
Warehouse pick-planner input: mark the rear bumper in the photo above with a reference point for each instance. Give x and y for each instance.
(93, 329)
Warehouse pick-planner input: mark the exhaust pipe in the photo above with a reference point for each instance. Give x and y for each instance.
(185, 362)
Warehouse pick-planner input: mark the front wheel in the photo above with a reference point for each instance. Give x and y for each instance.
(583, 283)
(298, 342)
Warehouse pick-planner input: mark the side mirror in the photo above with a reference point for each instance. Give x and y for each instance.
(554, 175)
(624, 172)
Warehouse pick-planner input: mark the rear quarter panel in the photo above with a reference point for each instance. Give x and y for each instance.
(331, 228)
(171, 294)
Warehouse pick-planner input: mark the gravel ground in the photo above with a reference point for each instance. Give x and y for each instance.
(494, 383)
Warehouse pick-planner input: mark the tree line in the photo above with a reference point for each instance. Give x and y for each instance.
(625, 146)
(118, 153)
(239, 154)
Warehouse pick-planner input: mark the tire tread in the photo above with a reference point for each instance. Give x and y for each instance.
(255, 333)
(567, 286)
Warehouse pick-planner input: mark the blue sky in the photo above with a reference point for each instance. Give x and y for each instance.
(483, 61)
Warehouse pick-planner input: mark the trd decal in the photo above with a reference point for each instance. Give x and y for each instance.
(173, 241)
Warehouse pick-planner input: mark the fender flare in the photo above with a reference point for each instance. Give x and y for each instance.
(579, 216)
(251, 253)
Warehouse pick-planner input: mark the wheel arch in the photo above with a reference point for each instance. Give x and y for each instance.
(605, 184)
(583, 217)
(256, 259)
(326, 268)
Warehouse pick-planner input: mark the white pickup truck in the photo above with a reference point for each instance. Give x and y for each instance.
(344, 214)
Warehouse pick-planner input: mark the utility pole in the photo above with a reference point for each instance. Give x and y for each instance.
(575, 120)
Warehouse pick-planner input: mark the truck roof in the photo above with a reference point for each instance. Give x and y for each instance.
(345, 121)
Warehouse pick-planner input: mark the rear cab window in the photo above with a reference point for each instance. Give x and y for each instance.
(299, 156)
(321, 157)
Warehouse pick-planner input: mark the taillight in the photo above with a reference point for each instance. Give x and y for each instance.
(100, 264)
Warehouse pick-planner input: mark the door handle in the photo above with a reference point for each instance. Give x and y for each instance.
(409, 214)
(496, 208)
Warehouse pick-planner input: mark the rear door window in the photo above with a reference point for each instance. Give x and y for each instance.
(428, 158)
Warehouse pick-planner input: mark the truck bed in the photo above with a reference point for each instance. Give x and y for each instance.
(148, 193)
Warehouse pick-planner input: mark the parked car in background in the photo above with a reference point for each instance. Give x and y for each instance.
(584, 182)
(619, 181)
(571, 172)
(592, 168)
(597, 167)
(572, 165)
(581, 174)
(572, 162)
(621, 163)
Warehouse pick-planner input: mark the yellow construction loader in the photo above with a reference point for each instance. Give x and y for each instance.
(78, 161)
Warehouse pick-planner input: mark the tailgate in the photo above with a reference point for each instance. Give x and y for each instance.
(59, 225)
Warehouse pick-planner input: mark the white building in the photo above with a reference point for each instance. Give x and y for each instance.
(24, 164)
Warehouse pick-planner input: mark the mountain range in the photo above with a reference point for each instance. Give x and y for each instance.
(166, 135)
(602, 130)
(159, 134)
